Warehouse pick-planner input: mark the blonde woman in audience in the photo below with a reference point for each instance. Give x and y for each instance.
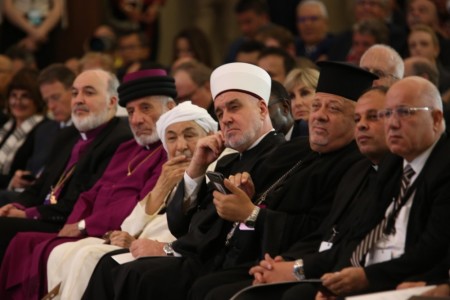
(301, 84)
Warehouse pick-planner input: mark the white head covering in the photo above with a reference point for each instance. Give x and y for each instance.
(243, 77)
(185, 111)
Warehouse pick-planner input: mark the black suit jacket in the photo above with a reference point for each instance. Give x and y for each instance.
(88, 170)
(427, 236)
(33, 153)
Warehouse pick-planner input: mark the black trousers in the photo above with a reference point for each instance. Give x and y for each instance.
(221, 284)
(225, 284)
(9, 227)
(144, 278)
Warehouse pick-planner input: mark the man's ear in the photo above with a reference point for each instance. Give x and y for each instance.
(171, 104)
(263, 108)
(438, 118)
(113, 101)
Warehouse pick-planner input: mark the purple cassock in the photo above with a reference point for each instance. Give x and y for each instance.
(131, 174)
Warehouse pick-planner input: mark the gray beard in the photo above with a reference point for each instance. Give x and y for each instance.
(91, 121)
(145, 140)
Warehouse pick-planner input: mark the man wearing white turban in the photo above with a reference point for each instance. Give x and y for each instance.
(241, 92)
(70, 265)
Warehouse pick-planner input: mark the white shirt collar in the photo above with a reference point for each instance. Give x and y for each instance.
(289, 134)
(418, 163)
(83, 136)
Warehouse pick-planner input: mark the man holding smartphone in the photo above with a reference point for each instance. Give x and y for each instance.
(241, 92)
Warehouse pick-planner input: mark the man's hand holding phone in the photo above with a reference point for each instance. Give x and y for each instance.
(236, 206)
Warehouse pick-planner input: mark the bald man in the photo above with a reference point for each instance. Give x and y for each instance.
(410, 231)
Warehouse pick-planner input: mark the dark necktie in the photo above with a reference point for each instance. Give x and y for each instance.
(376, 233)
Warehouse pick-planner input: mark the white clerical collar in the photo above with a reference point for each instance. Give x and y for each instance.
(259, 140)
(419, 162)
(83, 136)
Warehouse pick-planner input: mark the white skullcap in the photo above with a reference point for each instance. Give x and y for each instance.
(242, 77)
(185, 111)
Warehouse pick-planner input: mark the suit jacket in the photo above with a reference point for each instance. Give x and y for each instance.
(438, 274)
(427, 235)
(33, 153)
(89, 168)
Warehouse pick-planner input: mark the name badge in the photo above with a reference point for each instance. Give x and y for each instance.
(242, 226)
(324, 246)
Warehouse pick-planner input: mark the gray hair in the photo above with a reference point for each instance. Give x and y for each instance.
(322, 7)
(112, 86)
(394, 58)
(165, 100)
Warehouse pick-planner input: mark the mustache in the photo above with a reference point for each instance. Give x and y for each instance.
(187, 153)
(82, 107)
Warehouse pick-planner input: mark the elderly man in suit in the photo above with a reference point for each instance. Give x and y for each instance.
(408, 233)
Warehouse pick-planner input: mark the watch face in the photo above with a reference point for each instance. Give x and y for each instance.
(168, 250)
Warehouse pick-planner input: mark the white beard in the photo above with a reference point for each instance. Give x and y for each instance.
(146, 139)
(91, 121)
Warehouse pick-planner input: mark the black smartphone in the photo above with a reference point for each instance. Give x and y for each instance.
(217, 180)
(28, 177)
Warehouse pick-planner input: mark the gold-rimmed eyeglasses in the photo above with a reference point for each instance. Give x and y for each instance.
(402, 111)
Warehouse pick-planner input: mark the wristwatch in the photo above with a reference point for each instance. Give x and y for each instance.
(168, 249)
(251, 220)
(298, 271)
(82, 226)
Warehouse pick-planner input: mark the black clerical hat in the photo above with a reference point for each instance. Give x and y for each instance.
(343, 79)
(154, 82)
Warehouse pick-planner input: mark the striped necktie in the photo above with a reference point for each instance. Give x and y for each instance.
(376, 233)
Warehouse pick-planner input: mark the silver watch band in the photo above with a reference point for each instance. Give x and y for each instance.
(298, 270)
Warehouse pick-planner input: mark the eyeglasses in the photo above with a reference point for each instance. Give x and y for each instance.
(402, 111)
(380, 74)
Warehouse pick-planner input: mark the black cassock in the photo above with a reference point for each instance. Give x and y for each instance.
(293, 209)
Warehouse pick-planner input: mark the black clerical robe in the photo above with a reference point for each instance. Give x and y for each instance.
(89, 168)
(293, 209)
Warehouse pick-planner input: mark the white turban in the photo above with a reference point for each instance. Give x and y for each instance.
(242, 77)
(185, 111)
